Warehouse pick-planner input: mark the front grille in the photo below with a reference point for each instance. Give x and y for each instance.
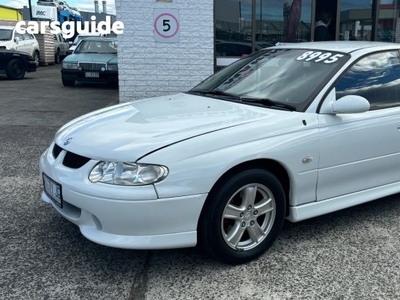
(92, 66)
(71, 160)
(74, 161)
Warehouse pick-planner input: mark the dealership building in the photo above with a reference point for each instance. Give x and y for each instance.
(169, 46)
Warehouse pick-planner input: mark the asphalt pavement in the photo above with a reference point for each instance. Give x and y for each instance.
(351, 254)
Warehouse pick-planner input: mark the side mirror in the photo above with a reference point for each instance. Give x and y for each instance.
(16, 40)
(350, 104)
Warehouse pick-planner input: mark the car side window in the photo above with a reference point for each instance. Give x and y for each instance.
(27, 36)
(20, 36)
(375, 77)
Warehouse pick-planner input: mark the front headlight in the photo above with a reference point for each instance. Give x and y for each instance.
(119, 173)
(112, 67)
(67, 65)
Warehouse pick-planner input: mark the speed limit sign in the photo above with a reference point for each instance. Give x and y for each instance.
(166, 25)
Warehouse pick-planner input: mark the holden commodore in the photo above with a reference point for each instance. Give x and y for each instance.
(288, 133)
(93, 60)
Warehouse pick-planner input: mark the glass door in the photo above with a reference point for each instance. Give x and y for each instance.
(355, 20)
(388, 29)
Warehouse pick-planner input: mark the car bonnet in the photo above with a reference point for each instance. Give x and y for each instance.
(129, 131)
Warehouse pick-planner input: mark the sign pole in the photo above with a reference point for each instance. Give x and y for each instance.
(30, 10)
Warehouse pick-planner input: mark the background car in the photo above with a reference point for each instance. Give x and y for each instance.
(61, 47)
(93, 60)
(15, 64)
(12, 40)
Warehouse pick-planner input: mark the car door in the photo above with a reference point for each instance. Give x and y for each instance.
(30, 43)
(63, 45)
(20, 45)
(361, 151)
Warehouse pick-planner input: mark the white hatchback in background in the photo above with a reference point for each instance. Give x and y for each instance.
(289, 132)
(12, 40)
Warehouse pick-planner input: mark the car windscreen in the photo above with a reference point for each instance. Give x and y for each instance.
(81, 37)
(288, 76)
(5, 34)
(97, 46)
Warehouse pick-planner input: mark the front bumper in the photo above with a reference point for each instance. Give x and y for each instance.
(122, 217)
(77, 75)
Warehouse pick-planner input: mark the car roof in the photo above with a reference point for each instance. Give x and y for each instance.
(99, 38)
(90, 34)
(339, 46)
(7, 27)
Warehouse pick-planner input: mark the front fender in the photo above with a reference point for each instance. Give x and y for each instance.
(196, 164)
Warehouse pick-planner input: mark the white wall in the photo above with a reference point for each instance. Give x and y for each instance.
(148, 68)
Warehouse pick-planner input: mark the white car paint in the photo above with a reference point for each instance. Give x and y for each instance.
(333, 161)
(26, 43)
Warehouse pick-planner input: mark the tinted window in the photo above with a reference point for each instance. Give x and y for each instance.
(375, 77)
(5, 34)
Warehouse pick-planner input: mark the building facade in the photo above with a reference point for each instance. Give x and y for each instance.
(155, 59)
(174, 57)
(9, 13)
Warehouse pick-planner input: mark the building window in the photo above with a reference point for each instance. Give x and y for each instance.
(272, 22)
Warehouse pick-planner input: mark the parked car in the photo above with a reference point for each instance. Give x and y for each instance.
(12, 40)
(78, 38)
(60, 47)
(15, 64)
(94, 60)
(289, 132)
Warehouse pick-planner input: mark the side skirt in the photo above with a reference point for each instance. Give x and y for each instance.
(315, 209)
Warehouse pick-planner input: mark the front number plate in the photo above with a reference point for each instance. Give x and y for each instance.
(53, 190)
(92, 75)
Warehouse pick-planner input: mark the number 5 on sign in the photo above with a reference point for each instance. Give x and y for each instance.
(166, 25)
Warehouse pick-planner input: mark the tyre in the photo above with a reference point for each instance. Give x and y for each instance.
(36, 57)
(242, 217)
(67, 82)
(57, 58)
(15, 69)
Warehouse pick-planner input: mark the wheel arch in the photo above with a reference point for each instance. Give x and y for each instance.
(270, 165)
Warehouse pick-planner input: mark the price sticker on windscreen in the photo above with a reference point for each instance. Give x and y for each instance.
(320, 57)
(166, 25)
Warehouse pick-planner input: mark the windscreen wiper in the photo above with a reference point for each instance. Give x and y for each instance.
(215, 92)
(269, 103)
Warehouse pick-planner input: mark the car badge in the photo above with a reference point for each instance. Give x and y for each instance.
(68, 141)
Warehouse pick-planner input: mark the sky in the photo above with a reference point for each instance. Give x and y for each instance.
(83, 5)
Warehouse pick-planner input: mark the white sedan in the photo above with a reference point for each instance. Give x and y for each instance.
(290, 132)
